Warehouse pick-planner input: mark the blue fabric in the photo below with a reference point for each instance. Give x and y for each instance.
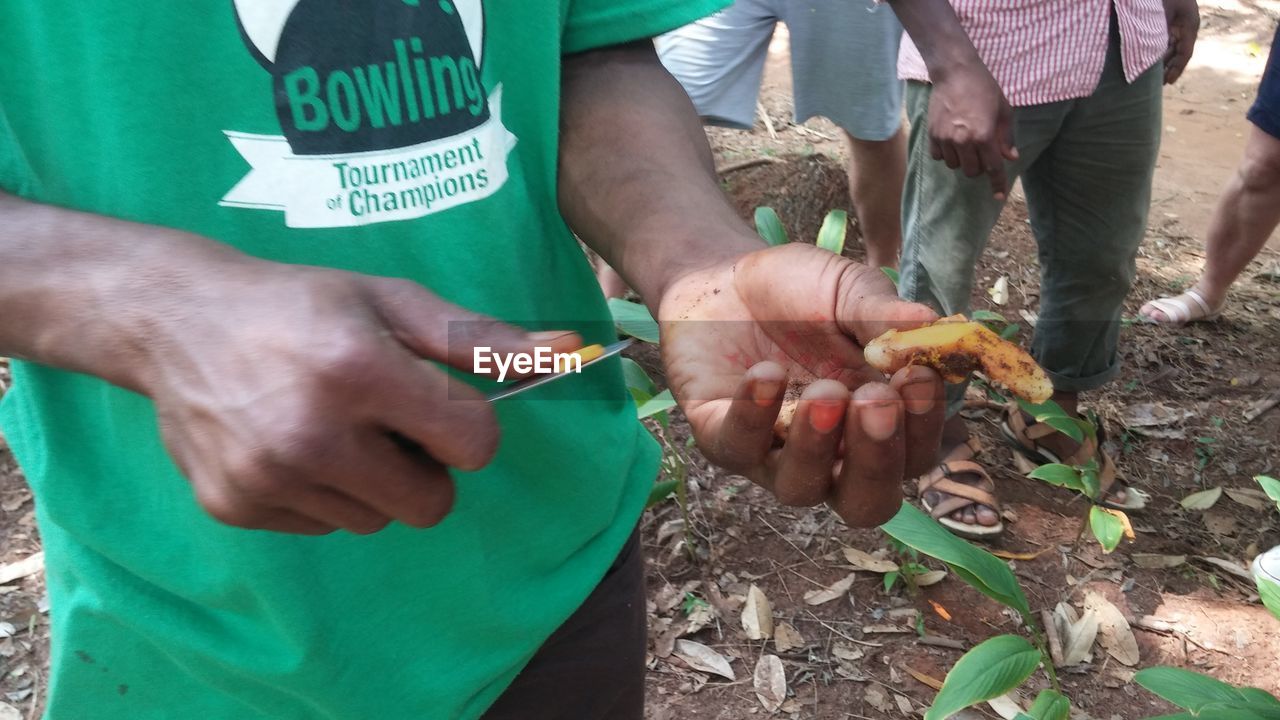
(1265, 112)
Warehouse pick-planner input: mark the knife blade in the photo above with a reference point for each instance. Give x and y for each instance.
(529, 383)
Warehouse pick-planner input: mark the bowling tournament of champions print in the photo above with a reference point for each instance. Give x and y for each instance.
(382, 107)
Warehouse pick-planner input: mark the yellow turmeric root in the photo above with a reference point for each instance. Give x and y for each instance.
(955, 348)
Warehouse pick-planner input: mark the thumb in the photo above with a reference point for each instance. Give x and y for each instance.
(1009, 149)
(438, 330)
(867, 306)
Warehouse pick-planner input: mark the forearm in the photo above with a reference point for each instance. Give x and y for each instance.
(79, 291)
(938, 35)
(637, 180)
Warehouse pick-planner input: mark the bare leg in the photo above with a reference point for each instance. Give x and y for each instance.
(877, 171)
(1246, 215)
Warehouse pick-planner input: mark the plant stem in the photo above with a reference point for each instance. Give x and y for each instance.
(1043, 646)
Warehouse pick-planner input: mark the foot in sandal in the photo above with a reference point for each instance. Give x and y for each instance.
(1194, 305)
(1043, 444)
(959, 493)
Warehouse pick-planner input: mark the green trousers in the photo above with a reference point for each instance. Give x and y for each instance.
(1086, 167)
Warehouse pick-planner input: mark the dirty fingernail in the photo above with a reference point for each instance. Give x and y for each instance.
(919, 397)
(766, 392)
(879, 421)
(825, 415)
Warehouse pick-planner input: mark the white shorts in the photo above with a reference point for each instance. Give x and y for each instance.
(844, 58)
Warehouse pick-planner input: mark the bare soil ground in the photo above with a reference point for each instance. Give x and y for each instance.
(860, 655)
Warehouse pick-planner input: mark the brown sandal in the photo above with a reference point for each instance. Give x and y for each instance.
(1024, 438)
(962, 494)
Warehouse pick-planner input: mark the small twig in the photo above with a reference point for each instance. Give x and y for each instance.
(846, 637)
(1156, 627)
(1055, 643)
(744, 164)
(1262, 406)
(768, 123)
(788, 541)
(939, 641)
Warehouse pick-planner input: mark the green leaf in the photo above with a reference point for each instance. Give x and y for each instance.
(1050, 705)
(770, 227)
(661, 491)
(991, 669)
(1106, 527)
(892, 274)
(1271, 487)
(1186, 689)
(1092, 484)
(1255, 696)
(1060, 475)
(1269, 591)
(984, 571)
(634, 319)
(1067, 426)
(1010, 331)
(890, 578)
(656, 404)
(987, 316)
(638, 381)
(831, 235)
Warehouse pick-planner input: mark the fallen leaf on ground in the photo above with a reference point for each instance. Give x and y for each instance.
(876, 698)
(1006, 707)
(1202, 500)
(942, 612)
(9, 712)
(1219, 522)
(1020, 555)
(1077, 633)
(770, 682)
(786, 637)
(846, 652)
(757, 616)
(932, 577)
(1234, 568)
(1153, 561)
(827, 594)
(924, 679)
(1151, 415)
(864, 561)
(883, 629)
(1000, 291)
(1114, 633)
(1250, 498)
(22, 568)
(904, 705)
(701, 657)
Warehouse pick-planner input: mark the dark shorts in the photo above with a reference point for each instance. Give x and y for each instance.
(592, 666)
(1265, 112)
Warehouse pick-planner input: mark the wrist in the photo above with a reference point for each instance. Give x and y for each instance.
(698, 256)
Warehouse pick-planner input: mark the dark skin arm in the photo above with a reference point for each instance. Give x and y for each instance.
(638, 185)
(970, 121)
(1183, 17)
(296, 419)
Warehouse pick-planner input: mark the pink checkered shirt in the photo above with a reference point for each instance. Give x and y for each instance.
(1043, 51)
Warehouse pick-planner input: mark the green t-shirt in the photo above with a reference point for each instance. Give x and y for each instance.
(407, 138)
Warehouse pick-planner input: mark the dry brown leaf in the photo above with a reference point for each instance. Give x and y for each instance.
(864, 561)
(826, 595)
(9, 712)
(1077, 633)
(932, 577)
(791, 707)
(22, 568)
(1202, 500)
(770, 682)
(876, 698)
(1006, 707)
(1234, 568)
(1000, 291)
(1020, 555)
(1023, 465)
(701, 657)
(1154, 561)
(1113, 630)
(929, 680)
(1219, 522)
(904, 705)
(1254, 499)
(786, 637)
(846, 652)
(757, 616)
(942, 612)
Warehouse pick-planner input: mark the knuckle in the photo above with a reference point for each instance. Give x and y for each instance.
(433, 506)
(229, 511)
(348, 357)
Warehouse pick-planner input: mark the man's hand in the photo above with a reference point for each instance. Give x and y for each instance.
(734, 332)
(971, 125)
(1184, 25)
(323, 412)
